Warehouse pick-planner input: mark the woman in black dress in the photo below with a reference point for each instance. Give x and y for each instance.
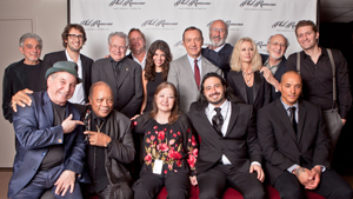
(156, 71)
(244, 78)
(170, 148)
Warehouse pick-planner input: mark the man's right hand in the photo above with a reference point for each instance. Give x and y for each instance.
(21, 98)
(304, 175)
(69, 125)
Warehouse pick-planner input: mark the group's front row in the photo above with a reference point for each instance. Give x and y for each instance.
(217, 143)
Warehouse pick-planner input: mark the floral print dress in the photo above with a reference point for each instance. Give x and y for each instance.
(174, 144)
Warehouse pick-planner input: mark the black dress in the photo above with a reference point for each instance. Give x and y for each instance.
(151, 88)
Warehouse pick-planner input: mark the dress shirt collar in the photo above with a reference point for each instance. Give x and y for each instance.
(219, 48)
(191, 61)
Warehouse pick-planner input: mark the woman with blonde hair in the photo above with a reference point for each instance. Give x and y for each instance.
(245, 78)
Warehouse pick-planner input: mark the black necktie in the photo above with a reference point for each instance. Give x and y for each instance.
(292, 117)
(217, 121)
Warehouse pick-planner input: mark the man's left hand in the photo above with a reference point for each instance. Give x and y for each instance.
(316, 173)
(259, 171)
(65, 182)
(98, 139)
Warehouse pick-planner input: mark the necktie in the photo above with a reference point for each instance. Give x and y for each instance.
(197, 73)
(217, 120)
(292, 117)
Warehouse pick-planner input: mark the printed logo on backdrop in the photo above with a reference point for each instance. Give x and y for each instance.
(232, 26)
(284, 25)
(192, 4)
(127, 4)
(95, 24)
(257, 4)
(261, 45)
(159, 24)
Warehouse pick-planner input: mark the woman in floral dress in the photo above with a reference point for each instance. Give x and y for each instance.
(170, 148)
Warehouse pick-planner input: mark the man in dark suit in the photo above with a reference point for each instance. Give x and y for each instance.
(49, 143)
(229, 151)
(122, 74)
(219, 52)
(275, 61)
(294, 141)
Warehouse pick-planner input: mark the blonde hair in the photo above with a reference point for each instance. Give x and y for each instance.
(235, 62)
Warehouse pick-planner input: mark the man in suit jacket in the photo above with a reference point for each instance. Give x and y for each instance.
(275, 61)
(186, 72)
(296, 146)
(122, 74)
(219, 52)
(49, 145)
(229, 151)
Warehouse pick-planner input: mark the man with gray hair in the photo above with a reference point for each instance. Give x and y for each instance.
(219, 52)
(22, 76)
(122, 74)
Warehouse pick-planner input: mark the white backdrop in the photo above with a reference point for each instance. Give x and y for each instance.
(167, 19)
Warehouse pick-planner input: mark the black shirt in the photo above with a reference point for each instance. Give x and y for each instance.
(317, 80)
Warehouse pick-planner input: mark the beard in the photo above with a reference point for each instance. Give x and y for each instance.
(219, 101)
(217, 44)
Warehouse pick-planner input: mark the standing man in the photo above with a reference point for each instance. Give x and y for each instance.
(229, 151)
(49, 143)
(122, 74)
(295, 145)
(186, 73)
(22, 77)
(110, 146)
(137, 46)
(219, 52)
(315, 69)
(74, 37)
(275, 61)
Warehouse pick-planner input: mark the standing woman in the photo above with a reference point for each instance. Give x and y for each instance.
(170, 148)
(245, 78)
(156, 71)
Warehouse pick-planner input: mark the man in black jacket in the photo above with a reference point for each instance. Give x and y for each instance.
(110, 145)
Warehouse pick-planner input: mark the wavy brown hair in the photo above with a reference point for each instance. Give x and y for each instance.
(150, 68)
(175, 112)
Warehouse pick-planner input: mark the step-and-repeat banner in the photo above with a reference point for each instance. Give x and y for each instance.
(167, 19)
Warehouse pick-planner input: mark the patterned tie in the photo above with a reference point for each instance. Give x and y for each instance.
(292, 117)
(197, 73)
(217, 120)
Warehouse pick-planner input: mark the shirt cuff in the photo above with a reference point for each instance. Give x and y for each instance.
(323, 168)
(291, 168)
(255, 163)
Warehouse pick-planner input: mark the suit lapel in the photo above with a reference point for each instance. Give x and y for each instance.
(301, 118)
(123, 73)
(233, 118)
(189, 73)
(256, 85)
(283, 116)
(241, 82)
(48, 108)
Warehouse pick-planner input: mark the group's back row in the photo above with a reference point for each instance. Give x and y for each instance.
(252, 78)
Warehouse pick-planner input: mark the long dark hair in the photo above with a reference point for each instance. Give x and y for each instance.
(175, 113)
(150, 69)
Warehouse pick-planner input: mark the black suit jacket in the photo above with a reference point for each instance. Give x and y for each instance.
(220, 59)
(127, 91)
(282, 147)
(282, 68)
(261, 89)
(51, 58)
(239, 145)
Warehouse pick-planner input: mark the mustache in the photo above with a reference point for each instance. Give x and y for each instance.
(216, 93)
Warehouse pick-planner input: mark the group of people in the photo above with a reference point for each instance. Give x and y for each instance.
(125, 126)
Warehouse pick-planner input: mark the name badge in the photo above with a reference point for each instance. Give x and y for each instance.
(157, 167)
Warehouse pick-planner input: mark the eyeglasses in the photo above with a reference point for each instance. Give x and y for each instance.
(75, 36)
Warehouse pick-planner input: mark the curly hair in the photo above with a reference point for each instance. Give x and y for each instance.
(150, 68)
(67, 29)
(235, 62)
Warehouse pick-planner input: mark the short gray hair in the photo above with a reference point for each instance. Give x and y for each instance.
(285, 39)
(119, 34)
(32, 36)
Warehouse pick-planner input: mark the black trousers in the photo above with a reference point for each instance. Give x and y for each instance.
(331, 186)
(149, 185)
(212, 183)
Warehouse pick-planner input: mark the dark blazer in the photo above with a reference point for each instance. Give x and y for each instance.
(127, 91)
(221, 58)
(282, 68)
(35, 132)
(239, 145)
(282, 147)
(51, 58)
(261, 89)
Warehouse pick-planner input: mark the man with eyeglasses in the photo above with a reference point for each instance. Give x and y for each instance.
(219, 52)
(275, 61)
(122, 74)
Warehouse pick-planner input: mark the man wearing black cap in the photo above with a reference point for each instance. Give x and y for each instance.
(49, 142)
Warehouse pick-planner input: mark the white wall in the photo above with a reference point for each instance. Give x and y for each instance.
(47, 18)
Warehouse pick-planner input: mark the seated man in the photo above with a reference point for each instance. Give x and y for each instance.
(110, 145)
(49, 144)
(229, 152)
(292, 135)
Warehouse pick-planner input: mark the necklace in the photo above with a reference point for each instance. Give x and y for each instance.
(248, 77)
